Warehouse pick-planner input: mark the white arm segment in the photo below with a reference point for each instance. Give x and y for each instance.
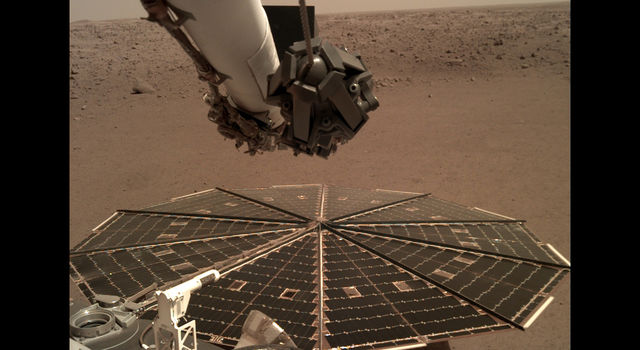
(172, 305)
(235, 37)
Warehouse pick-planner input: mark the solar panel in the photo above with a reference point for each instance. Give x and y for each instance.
(423, 209)
(509, 239)
(340, 201)
(219, 203)
(299, 200)
(333, 266)
(135, 228)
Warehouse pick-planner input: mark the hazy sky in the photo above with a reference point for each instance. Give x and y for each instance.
(116, 9)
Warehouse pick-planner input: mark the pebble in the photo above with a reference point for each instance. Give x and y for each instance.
(83, 107)
(142, 87)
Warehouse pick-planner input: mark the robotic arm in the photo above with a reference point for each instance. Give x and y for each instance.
(316, 98)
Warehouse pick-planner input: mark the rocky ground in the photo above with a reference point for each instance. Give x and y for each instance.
(475, 108)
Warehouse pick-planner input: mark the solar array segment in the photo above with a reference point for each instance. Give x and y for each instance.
(127, 229)
(423, 209)
(510, 239)
(503, 286)
(341, 201)
(221, 308)
(216, 202)
(125, 271)
(302, 200)
(371, 301)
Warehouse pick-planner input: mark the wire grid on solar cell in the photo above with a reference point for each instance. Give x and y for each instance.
(341, 201)
(124, 271)
(333, 266)
(221, 309)
(422, 209)
(509, 239)
(507, 288)
(127, 229)
(219, 203)
(370, 301)
(301, 201)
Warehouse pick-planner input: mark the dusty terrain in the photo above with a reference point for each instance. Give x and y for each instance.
(475, 108)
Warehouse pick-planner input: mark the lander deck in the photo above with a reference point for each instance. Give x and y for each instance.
(333, 266)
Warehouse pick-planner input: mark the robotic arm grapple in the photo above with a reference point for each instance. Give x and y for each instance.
(324, 103)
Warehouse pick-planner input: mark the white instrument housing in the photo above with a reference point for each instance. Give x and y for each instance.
(235, 37)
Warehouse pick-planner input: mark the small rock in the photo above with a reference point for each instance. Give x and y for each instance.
(83, 107)
(430, 96)
(142, 87)
(498, 57)
(473, 79)
(521, 57)
(524, 66)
